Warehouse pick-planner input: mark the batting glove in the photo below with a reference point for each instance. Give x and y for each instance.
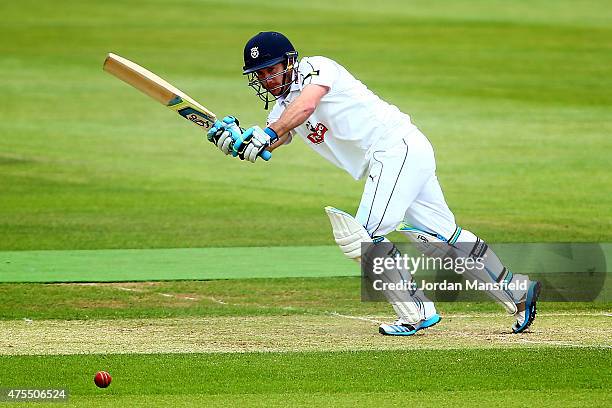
(253, 143)
(223, 134)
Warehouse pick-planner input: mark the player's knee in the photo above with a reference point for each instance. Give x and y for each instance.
(427, 242)
(383, 227)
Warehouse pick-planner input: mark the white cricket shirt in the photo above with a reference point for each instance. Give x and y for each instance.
(349, 120)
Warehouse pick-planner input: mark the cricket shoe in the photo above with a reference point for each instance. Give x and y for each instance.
(401, 328)
(527, 310)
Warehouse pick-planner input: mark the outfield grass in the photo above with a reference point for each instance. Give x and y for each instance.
(514, 97)
(470, 377)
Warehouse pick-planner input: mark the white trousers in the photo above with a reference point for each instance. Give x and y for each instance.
(402, 187)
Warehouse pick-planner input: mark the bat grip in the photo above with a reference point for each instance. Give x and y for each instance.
(266, 155)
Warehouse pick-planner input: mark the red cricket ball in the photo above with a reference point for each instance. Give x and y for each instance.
(102, 379)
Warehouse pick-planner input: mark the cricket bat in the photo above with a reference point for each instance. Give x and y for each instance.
(162, 91)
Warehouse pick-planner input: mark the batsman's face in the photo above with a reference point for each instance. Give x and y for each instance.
(272, 77)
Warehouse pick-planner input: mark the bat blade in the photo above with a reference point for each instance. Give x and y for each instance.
(159, 89)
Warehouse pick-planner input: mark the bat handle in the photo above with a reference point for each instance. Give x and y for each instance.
(266, 155)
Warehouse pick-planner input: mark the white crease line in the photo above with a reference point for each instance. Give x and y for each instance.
(162, 294)
(216, 300)
(169, 295)
(365, 319)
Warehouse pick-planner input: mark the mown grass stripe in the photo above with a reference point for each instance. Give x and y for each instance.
(114, 265)
(318, 372)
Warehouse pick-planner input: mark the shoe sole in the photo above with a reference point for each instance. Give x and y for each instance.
(432, 321)
(532, 299)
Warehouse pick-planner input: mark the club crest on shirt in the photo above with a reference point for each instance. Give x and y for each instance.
(317, 132)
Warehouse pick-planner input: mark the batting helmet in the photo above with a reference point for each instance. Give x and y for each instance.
(266, 49)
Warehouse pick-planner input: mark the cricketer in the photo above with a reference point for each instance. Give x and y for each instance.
(336, 115)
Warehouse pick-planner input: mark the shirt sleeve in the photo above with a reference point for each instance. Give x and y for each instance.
(319, 71)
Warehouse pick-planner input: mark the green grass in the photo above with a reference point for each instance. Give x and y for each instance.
(580, 398)
(258, 379)
(174, 264)
(543, 261)
(514, 97)
(470, 359)
(247, 297)
(241, 298)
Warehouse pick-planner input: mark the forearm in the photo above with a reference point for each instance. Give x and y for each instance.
(300, 109)
(295, 114)
(281, 141)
